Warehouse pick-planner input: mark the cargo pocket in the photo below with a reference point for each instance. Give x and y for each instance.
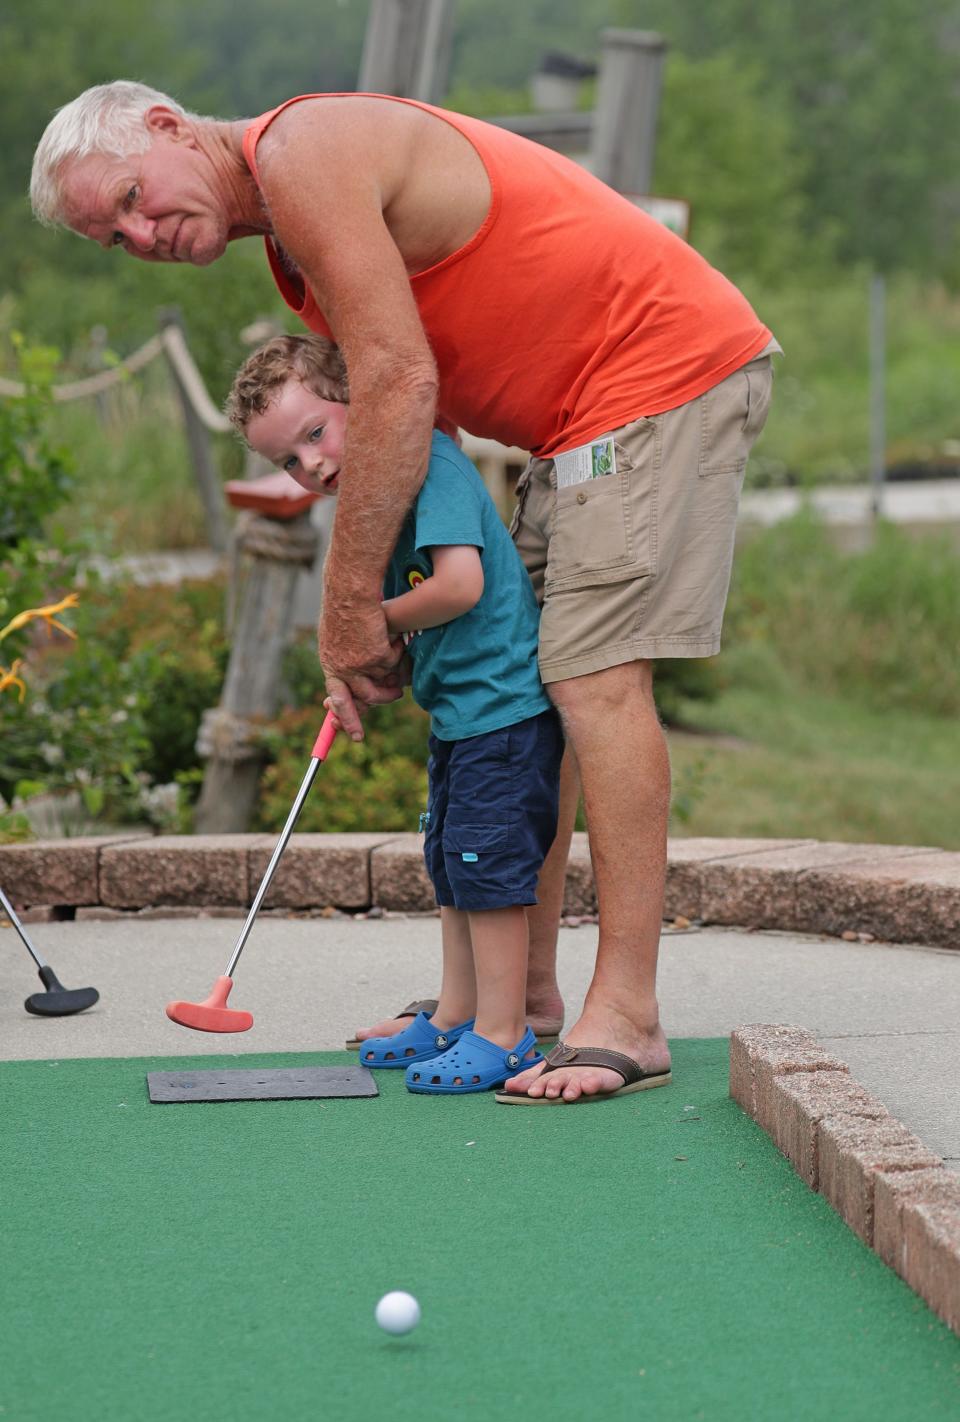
(471, 844)
(604, 530)
(478, 864)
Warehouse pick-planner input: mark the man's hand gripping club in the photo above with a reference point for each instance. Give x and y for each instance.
(362, 666)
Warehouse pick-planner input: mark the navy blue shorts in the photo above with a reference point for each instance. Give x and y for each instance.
(492, 813)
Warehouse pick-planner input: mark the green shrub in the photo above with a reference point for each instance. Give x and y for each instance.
(35, 471)
(115, 716)
(37, 561)
(175, 642)
(681, 683)
(80, 727)
(380, 784)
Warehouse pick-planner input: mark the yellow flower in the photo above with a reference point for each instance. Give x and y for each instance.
(10, 679)
(48, 614)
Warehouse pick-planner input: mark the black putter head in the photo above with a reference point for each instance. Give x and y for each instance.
(59, 1001)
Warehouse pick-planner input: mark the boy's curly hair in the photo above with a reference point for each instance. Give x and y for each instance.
(313, 360)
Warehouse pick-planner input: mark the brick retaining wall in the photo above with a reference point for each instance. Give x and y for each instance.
(889, 1188)
(897, 893)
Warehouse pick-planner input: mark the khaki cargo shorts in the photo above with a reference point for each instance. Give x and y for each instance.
(636, 564)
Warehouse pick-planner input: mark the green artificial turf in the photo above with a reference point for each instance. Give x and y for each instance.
(652, 1257)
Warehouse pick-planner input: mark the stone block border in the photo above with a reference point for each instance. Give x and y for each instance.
(888, 1187)
(896, 893)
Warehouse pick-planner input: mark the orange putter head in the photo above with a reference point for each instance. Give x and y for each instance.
(212, 1015)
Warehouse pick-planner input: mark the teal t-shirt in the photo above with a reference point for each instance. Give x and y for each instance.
(479, 672)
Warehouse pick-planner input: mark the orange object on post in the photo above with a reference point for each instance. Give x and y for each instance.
(276, 495)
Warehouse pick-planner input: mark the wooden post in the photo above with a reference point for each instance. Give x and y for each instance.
(252, 336)
(628, 101)
(878, 410)
(96, 362)
(406, 49)
(276, 539)
(201, 452)
(308, 598)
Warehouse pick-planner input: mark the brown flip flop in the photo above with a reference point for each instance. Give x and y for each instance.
(429, 1006)
(634, 1076)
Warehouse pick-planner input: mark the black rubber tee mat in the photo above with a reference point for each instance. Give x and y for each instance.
(289, 1084)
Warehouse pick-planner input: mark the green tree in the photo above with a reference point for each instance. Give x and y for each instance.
(727, 146)
(871, 92)
(48, 54)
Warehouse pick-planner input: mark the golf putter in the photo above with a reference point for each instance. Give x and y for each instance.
(57, 1001)
(213, 1014)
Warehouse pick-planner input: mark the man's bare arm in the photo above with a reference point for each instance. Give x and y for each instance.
(326, 193)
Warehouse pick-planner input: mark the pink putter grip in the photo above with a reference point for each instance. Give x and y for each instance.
(325, 739)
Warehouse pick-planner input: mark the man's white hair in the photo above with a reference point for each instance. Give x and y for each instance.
(110, 119)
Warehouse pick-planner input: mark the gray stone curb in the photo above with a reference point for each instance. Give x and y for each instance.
(888, 1187)
(897, 893)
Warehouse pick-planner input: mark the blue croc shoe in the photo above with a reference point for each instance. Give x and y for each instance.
(473, 1064)
(417, 1043)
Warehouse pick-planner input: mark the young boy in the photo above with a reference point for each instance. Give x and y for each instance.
(460, 598)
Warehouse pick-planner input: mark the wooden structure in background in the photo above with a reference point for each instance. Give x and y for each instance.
(275, 540)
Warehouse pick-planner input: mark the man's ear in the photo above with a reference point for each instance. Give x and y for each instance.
(163, 120)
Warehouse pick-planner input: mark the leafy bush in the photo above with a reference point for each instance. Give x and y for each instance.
(114, 716)
(681, 682)
(80, 729)
(36, 473)
(380, 784)
(35, 479)
(175, 643)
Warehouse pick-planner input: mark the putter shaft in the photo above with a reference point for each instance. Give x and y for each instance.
(11, 915)
(295, 809)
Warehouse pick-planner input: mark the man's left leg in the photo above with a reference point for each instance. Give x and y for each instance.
(611, 721)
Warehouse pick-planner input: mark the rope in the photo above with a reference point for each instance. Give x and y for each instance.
(178, 354)
(293, 542)
(170, 342)
(94, 384)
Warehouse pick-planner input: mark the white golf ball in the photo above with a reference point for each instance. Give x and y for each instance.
(397, 1312)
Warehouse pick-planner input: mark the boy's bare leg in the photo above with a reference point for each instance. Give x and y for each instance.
(544, 1004)
(500, 961)
(611, 720)
(458, 993)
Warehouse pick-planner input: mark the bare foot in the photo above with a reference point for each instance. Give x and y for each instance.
(599, 1029)
(545, 1017)
(389, 1027)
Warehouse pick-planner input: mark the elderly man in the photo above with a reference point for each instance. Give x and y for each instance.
(474, 279)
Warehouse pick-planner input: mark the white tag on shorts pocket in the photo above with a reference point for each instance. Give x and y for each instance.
(595, 460)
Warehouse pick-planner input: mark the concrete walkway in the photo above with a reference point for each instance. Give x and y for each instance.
(891, 1012)
(918, 504)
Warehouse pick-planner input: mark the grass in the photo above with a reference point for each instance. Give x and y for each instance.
(819, 426)
(785, 762)
(135, 489)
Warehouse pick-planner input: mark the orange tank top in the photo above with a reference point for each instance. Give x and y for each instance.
(569, 312)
